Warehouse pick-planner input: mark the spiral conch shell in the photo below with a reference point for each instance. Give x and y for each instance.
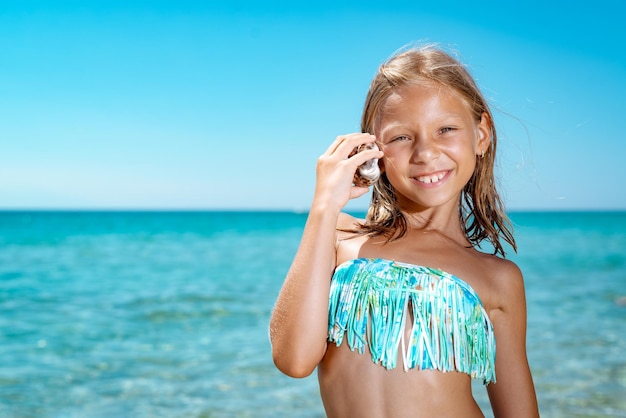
(368, 172)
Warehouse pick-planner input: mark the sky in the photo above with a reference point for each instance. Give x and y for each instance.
(227, 105)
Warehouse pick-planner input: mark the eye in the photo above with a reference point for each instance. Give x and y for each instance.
(445, 130)
(399, 138)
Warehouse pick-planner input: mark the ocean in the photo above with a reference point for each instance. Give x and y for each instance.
(165, 314)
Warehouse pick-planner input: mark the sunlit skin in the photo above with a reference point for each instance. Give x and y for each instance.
(429, 144)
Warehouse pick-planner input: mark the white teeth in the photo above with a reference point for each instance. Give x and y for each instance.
(432, 178)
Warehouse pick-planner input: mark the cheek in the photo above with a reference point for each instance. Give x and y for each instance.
(392, 167)
(390, 159)
(461, 146)
(395, 151)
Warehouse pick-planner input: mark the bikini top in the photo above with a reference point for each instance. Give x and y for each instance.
(371, 301)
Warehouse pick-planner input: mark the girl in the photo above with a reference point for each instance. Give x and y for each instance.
(399, 311)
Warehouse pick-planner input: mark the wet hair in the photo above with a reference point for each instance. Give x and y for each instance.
(481, 210)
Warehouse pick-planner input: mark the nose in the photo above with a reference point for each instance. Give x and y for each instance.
(424, 150)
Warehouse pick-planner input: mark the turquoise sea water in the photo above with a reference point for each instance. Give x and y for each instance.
(132, 314)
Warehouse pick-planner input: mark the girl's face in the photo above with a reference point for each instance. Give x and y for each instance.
(431, 142)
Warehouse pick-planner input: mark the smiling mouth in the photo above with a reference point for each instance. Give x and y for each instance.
(431, 178)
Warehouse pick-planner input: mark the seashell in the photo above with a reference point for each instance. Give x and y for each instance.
(368, 172)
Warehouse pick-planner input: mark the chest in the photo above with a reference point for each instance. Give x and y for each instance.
(433, 318)
(429, 251)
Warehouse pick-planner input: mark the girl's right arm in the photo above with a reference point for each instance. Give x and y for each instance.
(299, 321)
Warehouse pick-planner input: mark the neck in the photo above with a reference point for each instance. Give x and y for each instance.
(444, 220)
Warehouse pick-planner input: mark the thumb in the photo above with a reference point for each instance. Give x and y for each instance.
(358, 192)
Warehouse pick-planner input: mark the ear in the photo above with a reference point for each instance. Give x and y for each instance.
(484, 134)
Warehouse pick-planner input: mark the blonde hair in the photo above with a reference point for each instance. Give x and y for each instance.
(481, 210)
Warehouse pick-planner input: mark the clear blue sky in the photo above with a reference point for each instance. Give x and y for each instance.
(180, 104)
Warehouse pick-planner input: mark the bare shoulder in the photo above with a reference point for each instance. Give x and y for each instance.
(349, 241)
(506, 281)
(346, 220)
(504, 269)
(346, 223)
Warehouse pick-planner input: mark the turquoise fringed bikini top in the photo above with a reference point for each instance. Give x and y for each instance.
(371, 301)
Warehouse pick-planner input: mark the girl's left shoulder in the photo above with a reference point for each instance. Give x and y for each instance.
(505, 281)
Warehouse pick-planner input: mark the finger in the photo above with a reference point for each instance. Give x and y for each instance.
(357, 192)
(351, 142)
(336, 143)
(366, 155)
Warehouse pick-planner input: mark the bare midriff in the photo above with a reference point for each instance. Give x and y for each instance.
(352, 386)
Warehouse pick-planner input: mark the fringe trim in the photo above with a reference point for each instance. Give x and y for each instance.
(371, 301)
